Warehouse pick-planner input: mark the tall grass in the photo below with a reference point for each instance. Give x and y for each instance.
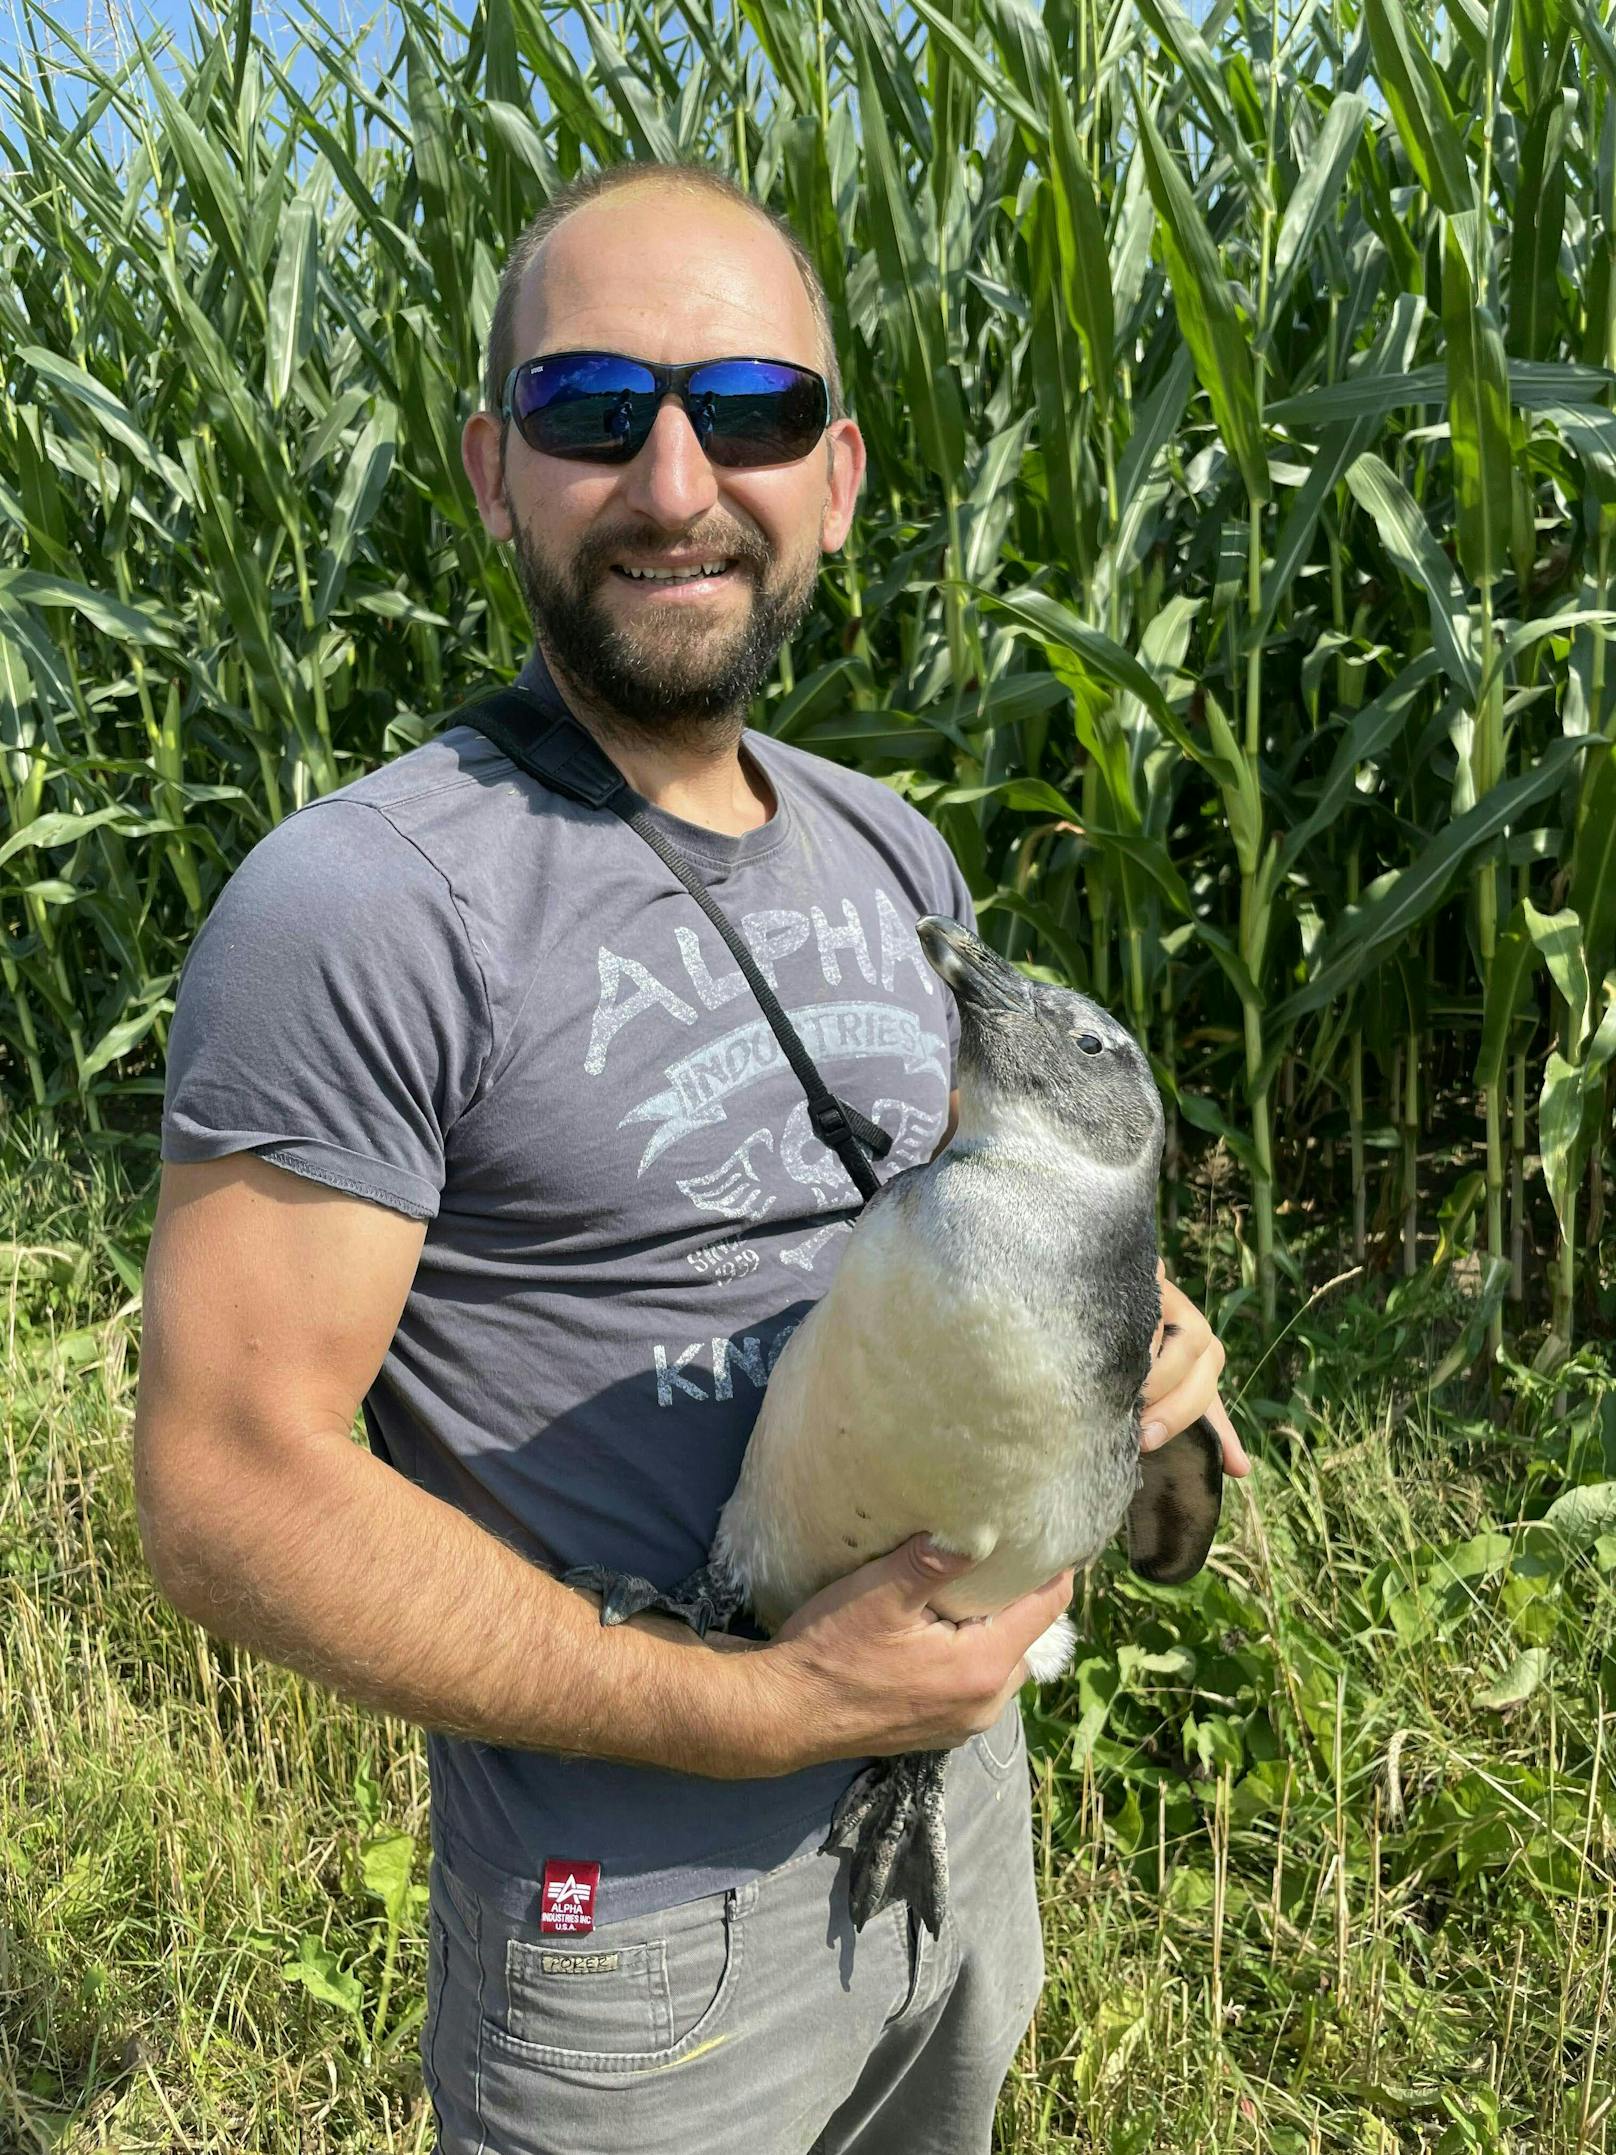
(1326, 1838)
(1232, 585)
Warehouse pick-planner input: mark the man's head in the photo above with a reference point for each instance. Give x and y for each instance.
(663, 264)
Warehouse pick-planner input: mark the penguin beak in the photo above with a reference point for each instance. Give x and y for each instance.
(979, 977)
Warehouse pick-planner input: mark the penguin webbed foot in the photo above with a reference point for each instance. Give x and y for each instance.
(890, 1821)
(706, 1600)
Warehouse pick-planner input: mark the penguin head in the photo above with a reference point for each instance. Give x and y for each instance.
(1046, 1052)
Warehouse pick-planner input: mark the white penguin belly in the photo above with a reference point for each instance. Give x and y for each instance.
(909, 1401)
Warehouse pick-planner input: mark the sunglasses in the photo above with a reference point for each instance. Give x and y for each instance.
(599, 408)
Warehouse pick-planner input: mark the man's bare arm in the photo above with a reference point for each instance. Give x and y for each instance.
(270, 1302)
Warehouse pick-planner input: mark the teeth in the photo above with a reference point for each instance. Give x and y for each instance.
(674, 576)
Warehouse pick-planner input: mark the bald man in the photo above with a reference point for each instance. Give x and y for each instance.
(471, 1121)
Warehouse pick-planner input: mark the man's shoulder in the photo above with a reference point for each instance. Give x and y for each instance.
(432, 833)
(456, 799)
(455, 760)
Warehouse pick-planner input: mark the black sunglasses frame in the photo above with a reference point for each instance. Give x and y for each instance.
(667, 381)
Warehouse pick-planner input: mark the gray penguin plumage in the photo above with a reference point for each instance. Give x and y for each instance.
(974, 1368)
(973, 1371)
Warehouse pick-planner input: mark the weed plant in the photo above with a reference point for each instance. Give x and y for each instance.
(1327, 1837)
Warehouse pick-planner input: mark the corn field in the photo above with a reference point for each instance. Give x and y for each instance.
(1231, 584)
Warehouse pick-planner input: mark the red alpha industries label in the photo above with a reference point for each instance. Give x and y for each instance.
(567, 1898)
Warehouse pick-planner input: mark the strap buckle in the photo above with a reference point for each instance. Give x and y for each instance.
(834, 1122)
(829, 1120)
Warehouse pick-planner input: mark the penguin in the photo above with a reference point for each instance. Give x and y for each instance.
(973, 1372)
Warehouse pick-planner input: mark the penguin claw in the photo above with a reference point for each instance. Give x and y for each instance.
(890, 1821)
(705, 1601)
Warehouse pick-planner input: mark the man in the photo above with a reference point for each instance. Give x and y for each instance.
(470, 1119)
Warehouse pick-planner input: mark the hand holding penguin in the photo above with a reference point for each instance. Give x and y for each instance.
(973, 1372)
(875, 1671)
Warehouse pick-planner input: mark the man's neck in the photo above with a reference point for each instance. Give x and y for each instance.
(701, 778)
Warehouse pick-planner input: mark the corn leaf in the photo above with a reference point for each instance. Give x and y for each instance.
(1558, 937)
(1405, 897)
(1419, 104)
(909, 286)
(1205, 309)
(1538, 226)
(1505, 998)
(1478, 414)
(1314, 199)
(1407, 538)
(1085, 269)
(1189, 48)
(289, 336)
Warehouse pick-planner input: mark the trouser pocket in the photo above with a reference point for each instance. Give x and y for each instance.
(1000, 1747)
(625, 1998)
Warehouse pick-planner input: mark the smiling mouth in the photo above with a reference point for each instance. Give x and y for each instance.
(696, 572)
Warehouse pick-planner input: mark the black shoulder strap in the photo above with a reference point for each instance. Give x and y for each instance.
(557, 751)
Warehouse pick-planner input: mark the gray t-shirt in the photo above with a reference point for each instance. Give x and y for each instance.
(458, 994)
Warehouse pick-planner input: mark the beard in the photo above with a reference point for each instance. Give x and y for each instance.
(678, 678)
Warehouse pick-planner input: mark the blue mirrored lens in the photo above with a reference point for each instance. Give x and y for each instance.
(585, 404)
(763, 411)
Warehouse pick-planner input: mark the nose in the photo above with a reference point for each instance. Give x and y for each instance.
(671, 481)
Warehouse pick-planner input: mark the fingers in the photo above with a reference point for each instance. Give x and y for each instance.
(1187, 1360)
(1175, 1361)
(1165, 1326)
(916, 1569)
(1019, 1622)
(890, 1592)
(1172, 1406)
(1194, 1402)
(1018, 1676)
(1236, 1459)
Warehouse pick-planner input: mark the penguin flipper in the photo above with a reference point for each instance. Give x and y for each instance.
(706, 1600)
(1174, 1514)
(890, 1821)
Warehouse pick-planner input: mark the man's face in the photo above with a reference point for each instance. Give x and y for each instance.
(670, 276)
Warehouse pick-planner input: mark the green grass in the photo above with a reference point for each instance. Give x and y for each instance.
(1302, 1888)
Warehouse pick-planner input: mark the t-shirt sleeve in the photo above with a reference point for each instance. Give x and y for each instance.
(332, 1015)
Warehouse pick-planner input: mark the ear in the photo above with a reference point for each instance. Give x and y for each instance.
(845, 463)
(1174, 1514)
(481, 452)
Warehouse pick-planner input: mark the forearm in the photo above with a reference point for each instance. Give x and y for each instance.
(320, 1556)
(269, 1303)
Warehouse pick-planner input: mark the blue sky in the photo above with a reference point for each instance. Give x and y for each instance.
(106, 27)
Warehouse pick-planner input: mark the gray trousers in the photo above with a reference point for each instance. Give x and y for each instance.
(755, 2021)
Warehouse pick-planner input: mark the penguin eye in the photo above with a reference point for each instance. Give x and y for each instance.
(1090, 1043)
